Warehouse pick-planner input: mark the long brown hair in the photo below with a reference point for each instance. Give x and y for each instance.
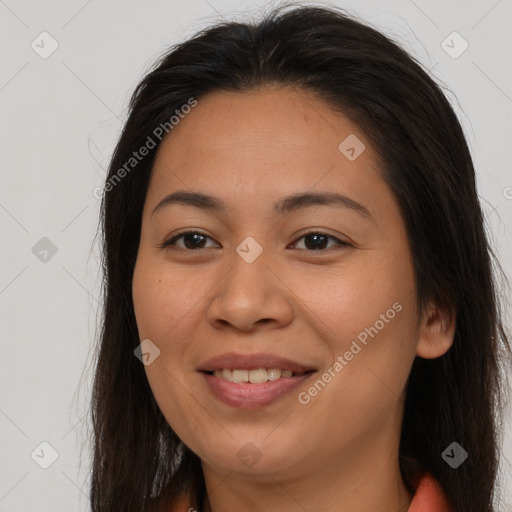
(427, 165)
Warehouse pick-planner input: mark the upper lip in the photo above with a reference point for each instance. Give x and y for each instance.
(236, 361)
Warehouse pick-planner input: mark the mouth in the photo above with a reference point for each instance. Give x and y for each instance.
(253, 380)
(252, 389)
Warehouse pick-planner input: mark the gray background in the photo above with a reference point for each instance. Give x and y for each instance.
(60, 119)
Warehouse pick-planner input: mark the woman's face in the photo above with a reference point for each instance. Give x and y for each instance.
(340, 301)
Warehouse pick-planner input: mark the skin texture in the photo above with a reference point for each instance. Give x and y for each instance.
(249, 150)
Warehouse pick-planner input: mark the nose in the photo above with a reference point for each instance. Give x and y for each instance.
(251, 294)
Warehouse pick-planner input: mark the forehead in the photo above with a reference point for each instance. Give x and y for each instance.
(257, 144)
(284, 117)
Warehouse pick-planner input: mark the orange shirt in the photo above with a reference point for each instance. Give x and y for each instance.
(429, 496)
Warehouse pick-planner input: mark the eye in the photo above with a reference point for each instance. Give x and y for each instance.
(195, 240)
(317, 240)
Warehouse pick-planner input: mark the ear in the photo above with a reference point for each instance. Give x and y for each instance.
(437, 329)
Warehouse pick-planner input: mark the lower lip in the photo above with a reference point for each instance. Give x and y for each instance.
(248, 395)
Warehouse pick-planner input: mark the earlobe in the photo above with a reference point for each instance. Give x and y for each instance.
(436, 332)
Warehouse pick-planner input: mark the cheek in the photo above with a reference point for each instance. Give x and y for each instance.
(161, 309)
(369, 317)
(350, 299)
(162, 297)
(378, 351)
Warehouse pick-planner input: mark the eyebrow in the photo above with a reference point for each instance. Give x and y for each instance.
(283, 206)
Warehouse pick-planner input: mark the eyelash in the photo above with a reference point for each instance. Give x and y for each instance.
(172, 240)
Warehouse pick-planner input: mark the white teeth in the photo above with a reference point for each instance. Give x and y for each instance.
(254, 376)
(274, 374)
(258, 376)
(240, 376)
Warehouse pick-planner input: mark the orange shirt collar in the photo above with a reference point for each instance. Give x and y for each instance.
(429, 496)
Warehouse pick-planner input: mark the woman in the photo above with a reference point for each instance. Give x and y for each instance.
(295, 253)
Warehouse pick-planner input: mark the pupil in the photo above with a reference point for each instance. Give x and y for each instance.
(317, 241)
(196, 237)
